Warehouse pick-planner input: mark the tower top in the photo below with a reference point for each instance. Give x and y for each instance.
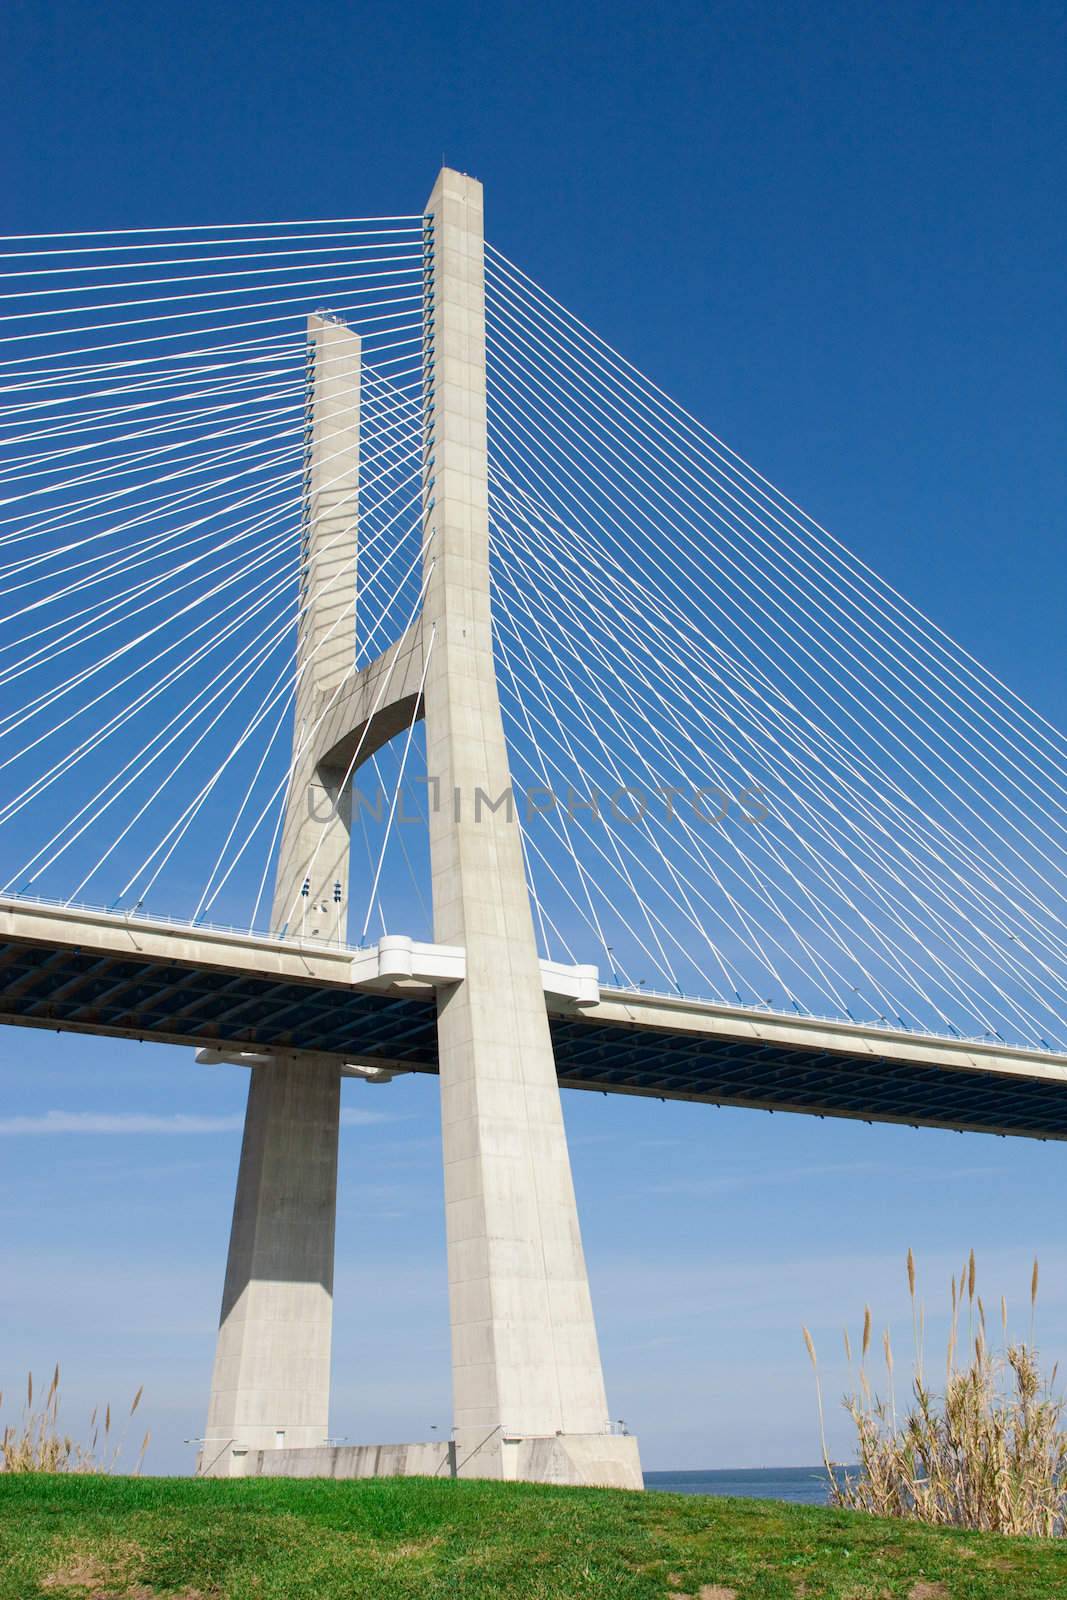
(456, 185)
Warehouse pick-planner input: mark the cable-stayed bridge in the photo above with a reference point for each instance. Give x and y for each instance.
(395, 679)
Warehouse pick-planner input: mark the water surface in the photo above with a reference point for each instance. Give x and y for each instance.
(801, 1485)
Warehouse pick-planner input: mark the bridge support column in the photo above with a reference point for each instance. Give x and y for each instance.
(271, 1383)
(311, 885)
(528, 1387)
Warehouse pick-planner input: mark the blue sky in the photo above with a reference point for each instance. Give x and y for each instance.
(835, 234)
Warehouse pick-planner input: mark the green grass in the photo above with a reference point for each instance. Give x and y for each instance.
(419, 1539)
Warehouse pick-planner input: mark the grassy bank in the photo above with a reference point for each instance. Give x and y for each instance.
(417, 1539)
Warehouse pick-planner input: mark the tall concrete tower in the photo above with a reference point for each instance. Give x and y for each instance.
(525, 1364)
(528, 1388)
(271, 1382)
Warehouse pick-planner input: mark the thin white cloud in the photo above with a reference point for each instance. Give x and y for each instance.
(140, 1122)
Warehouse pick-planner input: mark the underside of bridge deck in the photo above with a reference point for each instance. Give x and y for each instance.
(179, 1002)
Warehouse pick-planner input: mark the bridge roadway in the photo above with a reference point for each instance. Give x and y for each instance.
(88, 971)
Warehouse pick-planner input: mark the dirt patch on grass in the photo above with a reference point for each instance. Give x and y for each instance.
(104, 1575)
(412, 1547)
(707, 1591)
(63, 1583)
(139, 1592)
(928, 1591)
(80, 1570)
(96, 1573)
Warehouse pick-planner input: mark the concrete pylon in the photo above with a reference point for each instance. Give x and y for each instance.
(528, 1388)
(527, 1381)
(271, 1381)
(311, 883)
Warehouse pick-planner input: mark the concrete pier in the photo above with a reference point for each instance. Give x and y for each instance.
(525, 1359)
(270, 1388)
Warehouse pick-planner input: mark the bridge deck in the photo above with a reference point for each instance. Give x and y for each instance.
(94, 973)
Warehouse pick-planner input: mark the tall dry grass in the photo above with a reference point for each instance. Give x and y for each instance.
(37, 1444)
(988, 1451)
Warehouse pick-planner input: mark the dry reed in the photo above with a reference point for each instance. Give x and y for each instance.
(38, 1444)
(988, 1453)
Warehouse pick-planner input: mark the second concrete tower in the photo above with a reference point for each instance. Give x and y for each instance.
(528, 1387)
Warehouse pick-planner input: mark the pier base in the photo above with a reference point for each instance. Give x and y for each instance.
(597, 1460)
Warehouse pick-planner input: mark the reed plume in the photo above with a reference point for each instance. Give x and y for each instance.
(990, 1452)
(36, 1443)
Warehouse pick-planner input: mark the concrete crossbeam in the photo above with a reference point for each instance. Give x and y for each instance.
(382, 700)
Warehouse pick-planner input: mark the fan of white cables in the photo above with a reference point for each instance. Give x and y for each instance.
(152, 461)
(751, 769)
